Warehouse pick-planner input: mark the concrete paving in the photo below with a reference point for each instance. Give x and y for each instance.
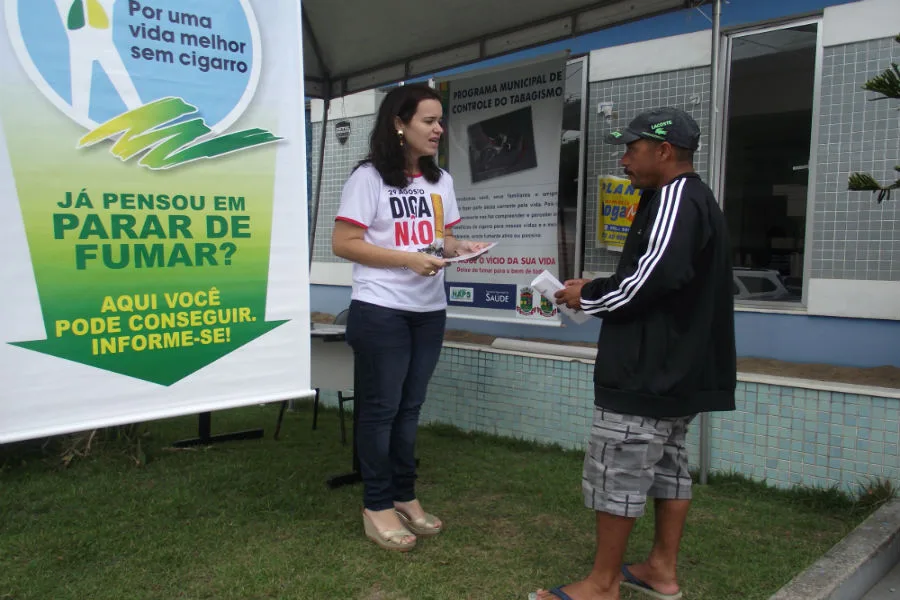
(886, 589)
(855, 565)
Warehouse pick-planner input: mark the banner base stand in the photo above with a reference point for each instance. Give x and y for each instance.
(342, 480)
(204, 437)
(350, 478)
(354, 476)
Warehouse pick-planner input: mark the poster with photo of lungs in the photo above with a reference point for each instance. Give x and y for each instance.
(152, 210)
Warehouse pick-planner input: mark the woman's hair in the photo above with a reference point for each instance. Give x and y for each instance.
(385, 152)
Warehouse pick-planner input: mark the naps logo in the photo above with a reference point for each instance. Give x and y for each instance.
(462, 294)
(163, 82)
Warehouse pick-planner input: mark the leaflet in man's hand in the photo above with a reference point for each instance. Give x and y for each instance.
(548, 285)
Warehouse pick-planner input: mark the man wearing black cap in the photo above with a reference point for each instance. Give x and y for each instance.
(666, 352)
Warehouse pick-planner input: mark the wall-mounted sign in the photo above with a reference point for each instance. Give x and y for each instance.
(342, 130)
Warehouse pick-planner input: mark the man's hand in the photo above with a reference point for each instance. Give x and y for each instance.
(571, 294)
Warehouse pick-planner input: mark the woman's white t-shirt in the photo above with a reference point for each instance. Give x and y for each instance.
(410, 219)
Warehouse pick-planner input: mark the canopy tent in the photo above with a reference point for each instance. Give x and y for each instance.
(351, 46)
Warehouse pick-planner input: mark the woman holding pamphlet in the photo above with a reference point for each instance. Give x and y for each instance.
(394, 223)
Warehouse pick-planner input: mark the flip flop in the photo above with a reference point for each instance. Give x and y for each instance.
(633, 583)
(557, 591)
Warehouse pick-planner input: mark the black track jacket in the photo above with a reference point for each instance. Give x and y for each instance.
(666, 346)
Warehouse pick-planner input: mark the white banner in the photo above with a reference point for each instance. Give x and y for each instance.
(152, 211)
(503, 150)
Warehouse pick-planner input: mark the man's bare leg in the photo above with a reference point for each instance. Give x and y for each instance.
(603, 582)
(659, 570)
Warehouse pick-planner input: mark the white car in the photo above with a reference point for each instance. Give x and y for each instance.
(759, 284)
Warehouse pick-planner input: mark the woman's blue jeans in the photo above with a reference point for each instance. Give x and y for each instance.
(396, 352)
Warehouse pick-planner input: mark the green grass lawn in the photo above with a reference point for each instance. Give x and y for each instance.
(254, 519)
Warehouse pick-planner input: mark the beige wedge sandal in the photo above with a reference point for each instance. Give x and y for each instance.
(389, 540)
(423, 526)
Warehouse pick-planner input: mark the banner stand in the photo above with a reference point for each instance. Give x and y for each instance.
(354, 476)
(204, 428)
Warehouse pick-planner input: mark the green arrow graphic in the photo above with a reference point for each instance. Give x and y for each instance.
(175, 353)
(166, 369)
(152, 275)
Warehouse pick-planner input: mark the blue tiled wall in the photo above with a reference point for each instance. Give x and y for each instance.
(785, 435)
(853, 236)
(810, 437)
(547, 401)
(631, 96)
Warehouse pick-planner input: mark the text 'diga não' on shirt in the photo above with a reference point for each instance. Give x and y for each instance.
(410, 219)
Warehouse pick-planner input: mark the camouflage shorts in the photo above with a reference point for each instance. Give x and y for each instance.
(629, 458)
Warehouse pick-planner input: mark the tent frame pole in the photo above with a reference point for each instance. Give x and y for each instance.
(314, 213)
(714, 151)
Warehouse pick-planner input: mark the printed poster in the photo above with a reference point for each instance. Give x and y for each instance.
(502, 148)
(152, 210)
(617, 204)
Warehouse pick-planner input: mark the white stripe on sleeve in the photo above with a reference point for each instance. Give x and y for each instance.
(659, 241)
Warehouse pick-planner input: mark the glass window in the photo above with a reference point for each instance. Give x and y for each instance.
(766, 164)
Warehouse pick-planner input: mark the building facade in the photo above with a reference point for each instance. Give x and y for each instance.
(818, 266)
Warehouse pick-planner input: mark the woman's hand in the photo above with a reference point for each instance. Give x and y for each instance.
(454, 247)
(348, 241)
(469, 247)
(424, 264)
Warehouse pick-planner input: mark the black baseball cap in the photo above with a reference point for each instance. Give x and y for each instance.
(663, 125)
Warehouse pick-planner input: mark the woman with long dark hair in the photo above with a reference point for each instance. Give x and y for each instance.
(394, 223)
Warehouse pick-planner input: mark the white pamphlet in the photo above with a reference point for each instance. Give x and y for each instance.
(548, 285)
(471, 255)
